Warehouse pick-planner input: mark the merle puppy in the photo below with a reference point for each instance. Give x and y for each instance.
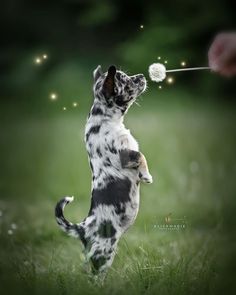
(117, 169)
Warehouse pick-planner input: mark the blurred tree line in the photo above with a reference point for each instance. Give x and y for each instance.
(84, 33)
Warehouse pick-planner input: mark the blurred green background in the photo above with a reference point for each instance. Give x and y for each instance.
(186, 130)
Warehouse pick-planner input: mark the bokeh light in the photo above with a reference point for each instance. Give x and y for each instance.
(53, 96)
(170, 80)
(38, 60)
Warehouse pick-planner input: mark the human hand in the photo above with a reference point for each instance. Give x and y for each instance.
(222, 54)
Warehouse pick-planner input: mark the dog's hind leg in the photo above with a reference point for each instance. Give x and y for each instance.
(133, 159)
(129, 158)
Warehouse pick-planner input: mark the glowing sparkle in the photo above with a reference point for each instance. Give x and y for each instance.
(64, 108)
(141, 26)
(165, 61)
(10, 232)
(170, 80)
(183, 63)
(53, 96)
(160, 87)
(13, 226)
(159, 57)
(75, 104)
(45, 56)
(38, 60)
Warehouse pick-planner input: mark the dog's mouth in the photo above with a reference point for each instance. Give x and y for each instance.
(143, 85)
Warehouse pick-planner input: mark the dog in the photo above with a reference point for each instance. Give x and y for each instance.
(117, 168)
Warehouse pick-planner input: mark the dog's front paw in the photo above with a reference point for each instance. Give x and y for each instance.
(145, 177)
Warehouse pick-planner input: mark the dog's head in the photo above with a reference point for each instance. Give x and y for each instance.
(116, 90)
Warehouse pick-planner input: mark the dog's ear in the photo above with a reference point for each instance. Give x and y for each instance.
(109, 83)
(97, 73)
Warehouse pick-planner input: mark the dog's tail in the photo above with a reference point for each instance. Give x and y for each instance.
(73, 229)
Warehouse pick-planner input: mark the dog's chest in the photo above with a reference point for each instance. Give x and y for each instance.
(104, 133)
(104, 140)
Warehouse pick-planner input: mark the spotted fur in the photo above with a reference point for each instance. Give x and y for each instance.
(117, 168)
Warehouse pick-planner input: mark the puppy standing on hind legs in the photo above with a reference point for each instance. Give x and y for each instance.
(117, 169)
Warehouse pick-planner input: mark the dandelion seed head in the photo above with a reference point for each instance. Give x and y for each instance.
(157, 72)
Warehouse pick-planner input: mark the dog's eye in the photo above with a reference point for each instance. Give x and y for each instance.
(119, 100)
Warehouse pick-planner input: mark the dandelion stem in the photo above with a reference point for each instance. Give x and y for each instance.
(188, 69)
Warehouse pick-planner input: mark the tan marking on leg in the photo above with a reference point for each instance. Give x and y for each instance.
(145, 176)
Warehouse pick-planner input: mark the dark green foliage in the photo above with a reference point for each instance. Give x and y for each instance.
(82, 34)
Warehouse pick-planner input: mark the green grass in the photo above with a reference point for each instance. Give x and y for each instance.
(190, 149)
